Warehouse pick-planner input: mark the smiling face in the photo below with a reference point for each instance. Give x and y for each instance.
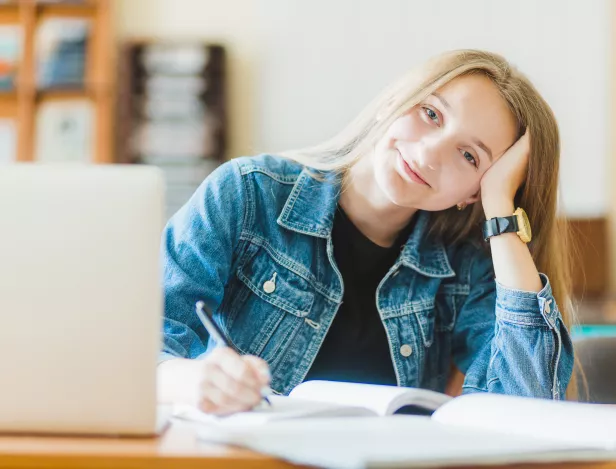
(434, 156)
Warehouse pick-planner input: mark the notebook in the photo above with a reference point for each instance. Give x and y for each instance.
(344, 425)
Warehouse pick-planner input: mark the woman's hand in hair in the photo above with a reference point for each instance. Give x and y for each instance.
(514, 266)
(501, 182)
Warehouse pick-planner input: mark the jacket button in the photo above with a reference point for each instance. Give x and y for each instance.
(406, 350)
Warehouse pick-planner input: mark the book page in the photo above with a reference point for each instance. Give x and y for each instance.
(282, 408)
(396, 441)
(592, 425)
(382, 400)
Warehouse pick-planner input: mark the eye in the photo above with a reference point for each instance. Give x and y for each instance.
(433, 116)
(470, 158)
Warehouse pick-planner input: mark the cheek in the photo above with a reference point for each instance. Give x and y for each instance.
(459, 185)
(410, 127)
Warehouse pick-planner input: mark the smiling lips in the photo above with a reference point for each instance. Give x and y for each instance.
(412, 174)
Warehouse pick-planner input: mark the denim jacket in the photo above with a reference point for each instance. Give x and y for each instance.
(266, 219)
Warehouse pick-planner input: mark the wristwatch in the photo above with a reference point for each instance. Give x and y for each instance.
(517, 223)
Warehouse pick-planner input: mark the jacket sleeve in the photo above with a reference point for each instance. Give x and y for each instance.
(197, 251)
(510, 341)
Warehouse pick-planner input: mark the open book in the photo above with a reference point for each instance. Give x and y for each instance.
(342, 431)
(329, 399)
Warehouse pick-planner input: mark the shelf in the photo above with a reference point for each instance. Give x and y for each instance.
(59, 94)
(9, 14)
(24, 103)
(64, 3)
(8, 105)
(86, 10)
(90, 89)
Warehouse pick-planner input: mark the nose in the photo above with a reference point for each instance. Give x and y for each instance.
(431, 154)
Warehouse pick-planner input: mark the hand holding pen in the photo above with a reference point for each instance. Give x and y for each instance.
(232, 382)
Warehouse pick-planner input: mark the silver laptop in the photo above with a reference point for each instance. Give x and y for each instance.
(80, 301)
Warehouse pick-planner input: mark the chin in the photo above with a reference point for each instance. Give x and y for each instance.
(396, 190)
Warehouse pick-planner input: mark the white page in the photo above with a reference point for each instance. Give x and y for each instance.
(380, 399)
(397, 441)
(282, 408)
(584, 424)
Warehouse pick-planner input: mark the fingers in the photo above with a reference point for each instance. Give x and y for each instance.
(231, 383)
(260, 368)
(222, 394)
(236, 366)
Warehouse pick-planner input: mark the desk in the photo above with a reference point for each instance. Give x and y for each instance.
(178, 448)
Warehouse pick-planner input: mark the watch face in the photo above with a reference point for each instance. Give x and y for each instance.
(524, 232)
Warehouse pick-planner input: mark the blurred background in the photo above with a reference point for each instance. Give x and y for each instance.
(187, 84)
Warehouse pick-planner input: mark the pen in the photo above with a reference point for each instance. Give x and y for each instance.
(212, 328)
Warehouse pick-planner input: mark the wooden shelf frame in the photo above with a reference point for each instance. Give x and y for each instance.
(23, 102)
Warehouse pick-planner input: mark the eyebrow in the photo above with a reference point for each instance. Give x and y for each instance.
(477, 142)
(442, 100)
(481, 145)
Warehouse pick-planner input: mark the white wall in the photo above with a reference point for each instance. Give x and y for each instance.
(301, 69)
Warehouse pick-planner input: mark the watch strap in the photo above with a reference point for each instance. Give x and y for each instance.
(499, 225)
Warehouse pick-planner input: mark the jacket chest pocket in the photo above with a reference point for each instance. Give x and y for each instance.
(269, 305)
(414, 322)
(448, 301)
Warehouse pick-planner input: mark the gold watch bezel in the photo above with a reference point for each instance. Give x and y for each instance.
(524, 232)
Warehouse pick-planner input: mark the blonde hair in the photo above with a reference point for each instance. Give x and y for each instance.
(550, 247)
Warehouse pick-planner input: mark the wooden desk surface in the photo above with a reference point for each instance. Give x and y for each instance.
(177, 448)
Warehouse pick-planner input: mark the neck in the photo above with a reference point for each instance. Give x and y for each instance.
(377, 217)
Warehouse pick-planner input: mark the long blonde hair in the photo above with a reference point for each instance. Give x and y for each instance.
(550, 246)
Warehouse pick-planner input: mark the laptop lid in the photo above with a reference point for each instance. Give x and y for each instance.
(80, 298)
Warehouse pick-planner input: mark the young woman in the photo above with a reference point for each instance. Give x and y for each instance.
(364, 259)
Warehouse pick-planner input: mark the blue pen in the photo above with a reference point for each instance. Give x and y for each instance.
(212, 328)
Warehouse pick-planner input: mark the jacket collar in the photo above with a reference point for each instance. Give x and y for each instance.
(311, 206)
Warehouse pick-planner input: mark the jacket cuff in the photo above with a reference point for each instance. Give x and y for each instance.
(527, 308)
(164, 356)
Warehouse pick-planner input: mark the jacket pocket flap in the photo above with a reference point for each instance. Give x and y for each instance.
(277, 285)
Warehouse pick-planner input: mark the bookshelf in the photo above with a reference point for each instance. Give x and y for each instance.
(38, 85)
(172, 111)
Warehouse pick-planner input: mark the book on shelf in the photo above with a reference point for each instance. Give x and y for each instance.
(164, 84)
(64, 131)
(175, 59)
(10, 50)
(171, 139)
(183, 175)
(61, 45)
(175, 110)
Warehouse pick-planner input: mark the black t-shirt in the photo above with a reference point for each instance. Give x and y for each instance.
(355, 348)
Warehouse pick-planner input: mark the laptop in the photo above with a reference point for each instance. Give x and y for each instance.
(80, 298)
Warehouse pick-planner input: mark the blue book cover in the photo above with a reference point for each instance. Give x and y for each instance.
(61, 52)
(10, 46)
